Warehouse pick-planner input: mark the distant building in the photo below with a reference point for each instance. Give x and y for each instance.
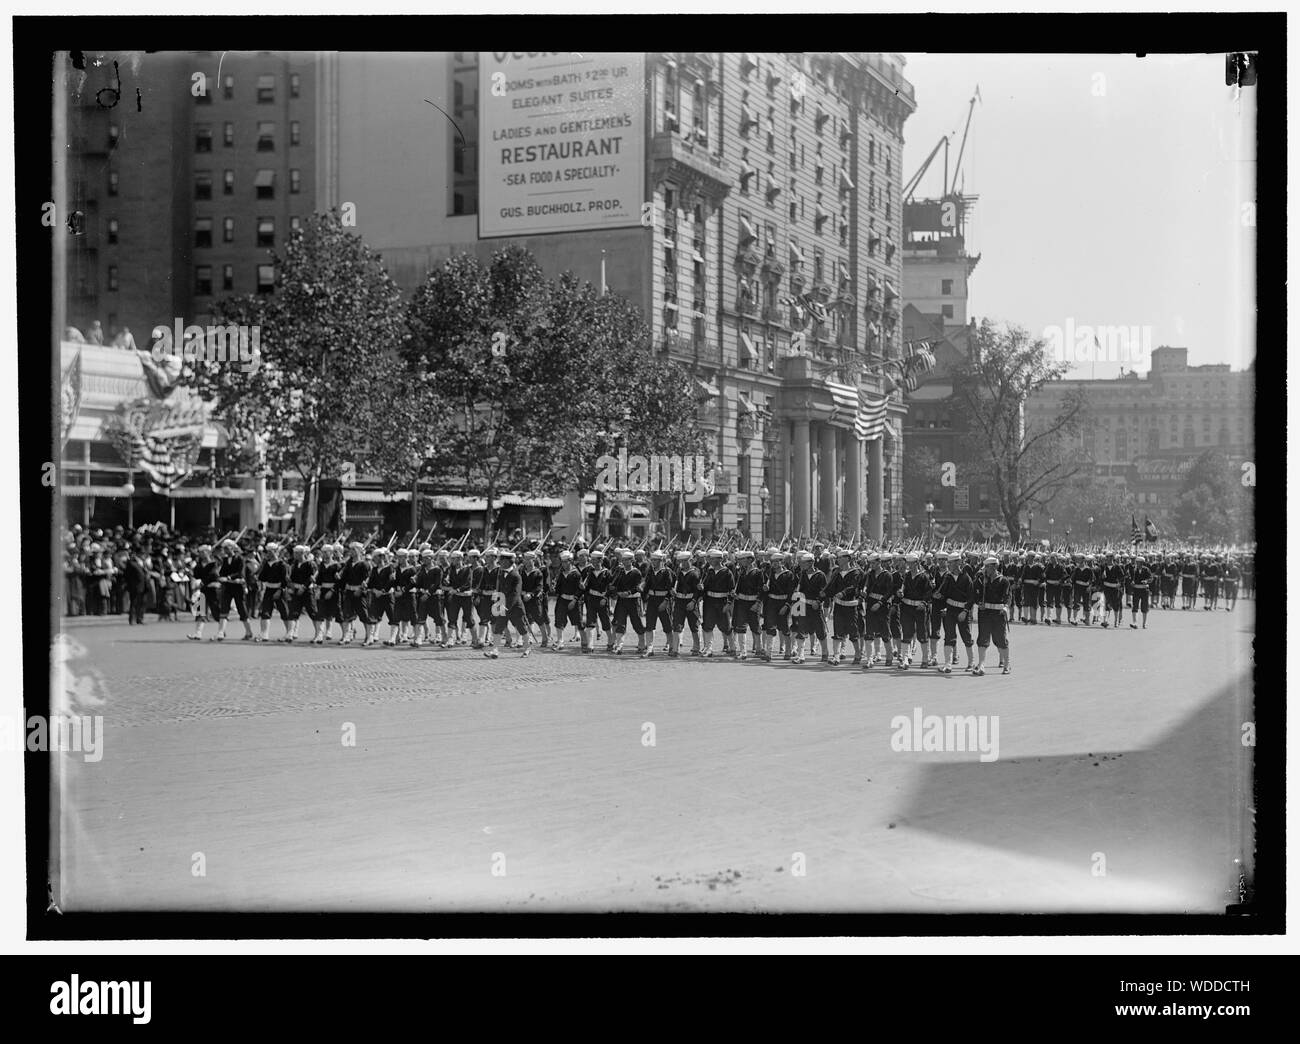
(1143, 431)
(936, 293)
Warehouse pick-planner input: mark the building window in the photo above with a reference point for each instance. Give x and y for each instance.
(228, 183)
(295, 85)
(228, 230)
(266, 232)
(670, 95)
(227, 277)
(228, 87)
(266, 89)
(112, 135)
(203, 138)
(203, 280)
(265, 183)
(295, 181)
(947, 286)
(742, 474)
(984, 498)
(228, 134)
(295, 224)
(203, 232)
(112, 183)
(1153, 440)
(295, 132)
(265, 278)
(947, 311)
(112, 278)
(203, 184)
(266, 137)
(1121, 444)
(112, 230)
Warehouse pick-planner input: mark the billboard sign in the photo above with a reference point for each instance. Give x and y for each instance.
(562, 142)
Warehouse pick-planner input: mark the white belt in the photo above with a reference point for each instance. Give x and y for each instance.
(990, 605)
(915, 602)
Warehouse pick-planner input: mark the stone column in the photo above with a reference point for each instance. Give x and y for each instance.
(826, 473)
(853, 480)
(876, 488)
(801, 485)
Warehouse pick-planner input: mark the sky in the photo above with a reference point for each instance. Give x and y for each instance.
(1111, 192)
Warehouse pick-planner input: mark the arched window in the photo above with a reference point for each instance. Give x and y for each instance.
(1153, 440)
(1121, 444)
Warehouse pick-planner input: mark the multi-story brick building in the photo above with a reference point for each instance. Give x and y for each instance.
(187, 186)
(770, 267)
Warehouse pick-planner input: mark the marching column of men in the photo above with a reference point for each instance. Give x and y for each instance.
(768, 603)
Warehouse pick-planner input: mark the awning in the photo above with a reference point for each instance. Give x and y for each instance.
(746, 231)
(264, 179)
(742, 401)
(374, 496)
(889, 289)
(845, 180)
(92, 491)
(695, 256)
(823, 214)
(746, 347)
(709, 390)
(209, 493)
(773, 189)
(796, 254)
(519, 500)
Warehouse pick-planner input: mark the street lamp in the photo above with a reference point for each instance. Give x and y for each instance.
(1089, 530)
(1193, 532)
(1050, 523)
(929, 520)
(763, 494)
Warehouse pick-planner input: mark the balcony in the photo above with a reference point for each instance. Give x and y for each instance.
(688, 164)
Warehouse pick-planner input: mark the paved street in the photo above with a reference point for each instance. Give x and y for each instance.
(568, 782)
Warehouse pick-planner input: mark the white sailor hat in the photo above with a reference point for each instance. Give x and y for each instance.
(774, 551)
(456, 553)
(204, 547)
(303, 548)
(472, 553)
(683, 556)
(745, 554)
(843, 552)
(225, 543)
(489, 551)
(272, 546)
(990, 560)
(625, 553)
(401, 552)
(805, 556)
(715, 552)
(657, 554)
(380, 551)
(506, 554)
(598, 554)
(566, 556)
(913, 557)
(426, 552)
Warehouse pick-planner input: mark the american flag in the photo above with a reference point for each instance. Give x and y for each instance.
(71, 396)
(165, 462)
(869, 421)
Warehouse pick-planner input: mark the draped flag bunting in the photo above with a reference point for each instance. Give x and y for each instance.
(869, 422)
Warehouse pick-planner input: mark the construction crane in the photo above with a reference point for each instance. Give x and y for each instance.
(909, 190)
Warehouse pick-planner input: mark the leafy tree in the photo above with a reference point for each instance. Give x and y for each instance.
(1025, 464)
(324, 332)
(542, 377)
(1213, 496)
